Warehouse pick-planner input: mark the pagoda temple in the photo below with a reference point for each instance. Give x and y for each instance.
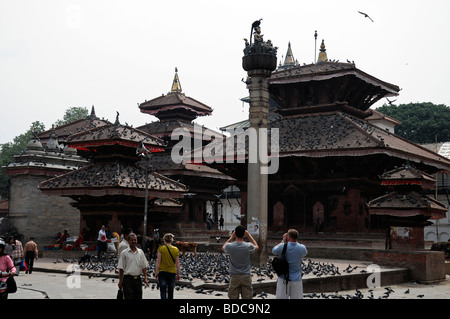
(111, 189)
(176, 111)
(330, 154)
(407, 211)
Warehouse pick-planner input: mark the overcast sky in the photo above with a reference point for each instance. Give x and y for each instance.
(57, 54)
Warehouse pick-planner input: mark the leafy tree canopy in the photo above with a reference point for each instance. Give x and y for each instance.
(73, 114)
(422, 123)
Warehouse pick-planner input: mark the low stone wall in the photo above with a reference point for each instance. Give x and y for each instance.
(354, 281)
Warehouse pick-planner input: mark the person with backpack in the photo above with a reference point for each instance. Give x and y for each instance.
(290, 285)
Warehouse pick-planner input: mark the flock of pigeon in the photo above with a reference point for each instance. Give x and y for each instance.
(213, 268)
(326, 132)
(208, 267)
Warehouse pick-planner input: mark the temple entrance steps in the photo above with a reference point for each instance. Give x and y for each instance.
(334, 239)
(202, 235)
(199, 235)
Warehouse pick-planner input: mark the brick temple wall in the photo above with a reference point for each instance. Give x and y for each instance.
(36, 214)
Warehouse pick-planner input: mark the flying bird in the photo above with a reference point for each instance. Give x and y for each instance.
(390, 102)
(366, 15)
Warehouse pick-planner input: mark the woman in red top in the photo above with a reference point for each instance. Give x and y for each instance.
(6, 267)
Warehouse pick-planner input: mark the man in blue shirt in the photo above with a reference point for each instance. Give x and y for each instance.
(294, 255)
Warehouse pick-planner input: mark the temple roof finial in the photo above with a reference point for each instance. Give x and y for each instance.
(323, 53)
(176, 85)
(92, 116)
(93, 111)
(289, 60)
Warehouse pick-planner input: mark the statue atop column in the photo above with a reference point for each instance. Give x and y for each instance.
(259, 54)
(258, 45)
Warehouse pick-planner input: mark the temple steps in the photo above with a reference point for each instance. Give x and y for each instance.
(198, 235)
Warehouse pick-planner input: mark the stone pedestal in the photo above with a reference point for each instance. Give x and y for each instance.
(424, 266)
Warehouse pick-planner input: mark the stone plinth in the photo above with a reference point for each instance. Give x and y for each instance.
(424, 266)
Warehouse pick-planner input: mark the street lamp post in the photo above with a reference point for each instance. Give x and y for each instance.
(144, 163)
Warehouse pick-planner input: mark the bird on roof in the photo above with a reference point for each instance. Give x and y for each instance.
(365, 15)
(256, 23)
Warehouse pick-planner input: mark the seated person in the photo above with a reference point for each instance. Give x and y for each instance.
(63, 237)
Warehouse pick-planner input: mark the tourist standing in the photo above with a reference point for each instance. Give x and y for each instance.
(17, 254)
(291, 287)
(221, 221)
(10, 246)
(132, 263)
(240, 272)
(167, 267)
(101, 241)
(31, 253)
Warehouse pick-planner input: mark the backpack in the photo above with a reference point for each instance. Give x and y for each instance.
(280, 264)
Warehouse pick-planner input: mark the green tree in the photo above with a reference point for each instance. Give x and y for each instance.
(421, 122)
(72, 114)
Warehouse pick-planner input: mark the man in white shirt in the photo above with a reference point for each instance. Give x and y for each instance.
(132, 263)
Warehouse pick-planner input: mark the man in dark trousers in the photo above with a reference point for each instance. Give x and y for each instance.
(31, 253)
(132, 263)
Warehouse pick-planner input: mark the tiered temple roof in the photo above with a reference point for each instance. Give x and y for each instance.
(175, 105)
(324, 109)
(114, 170)
(172, 110)
(405, 200)
(74, 127)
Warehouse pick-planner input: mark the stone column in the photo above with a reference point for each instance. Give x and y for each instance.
(259, 61)
(257, 182)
